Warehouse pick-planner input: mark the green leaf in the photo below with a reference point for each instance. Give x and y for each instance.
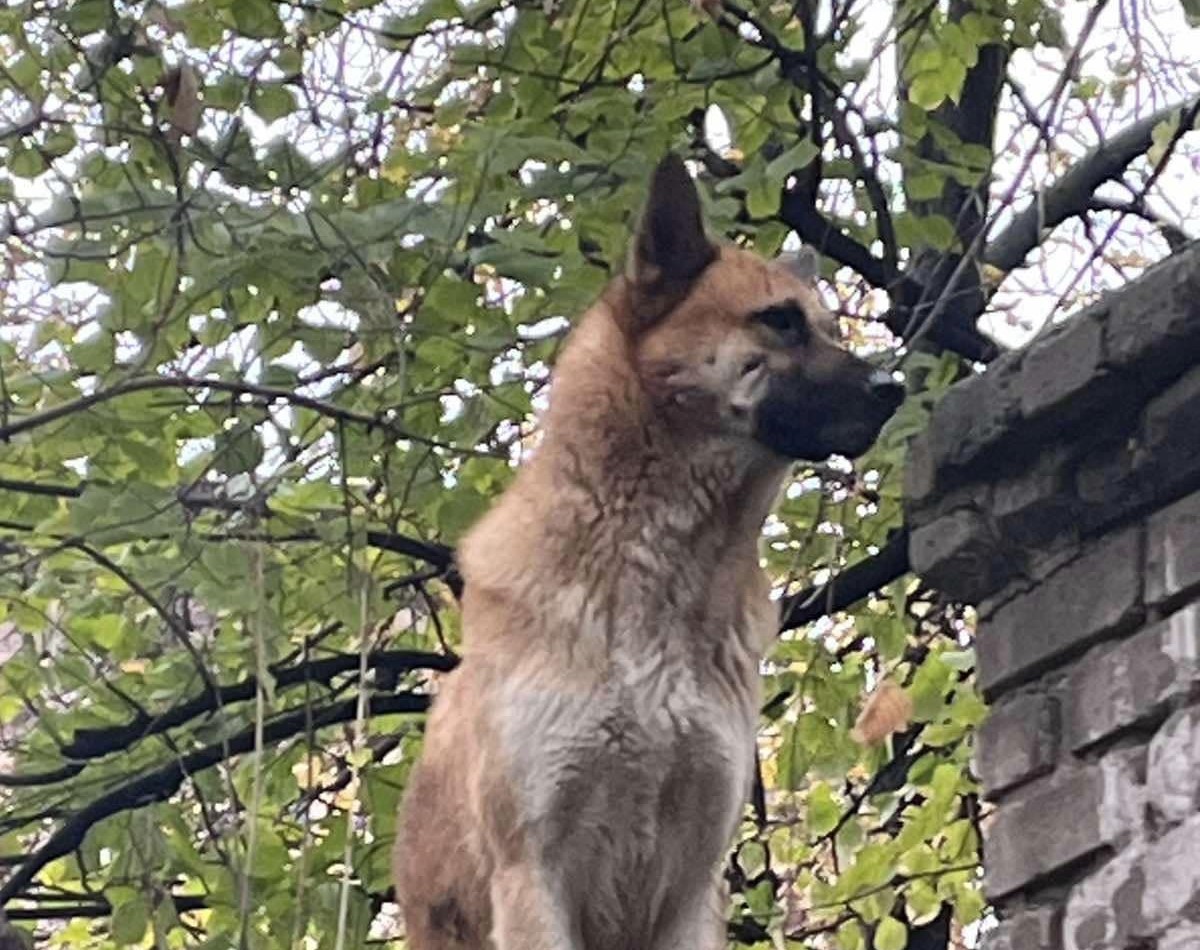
(257, 19)
(25, 72)
(799, 155)
(927, 90)
(824, 811)
(130, 918)
(953, 77)
(26, 162)
(228, 92)
(533, 270)
(925, 187)
(273, 101)
(850, 936)
(891, 934)
(59, 142)
(88, 16)
(10, 708)
(238, 450)
(793, 758)
(1050, 32)
(1161, 137)
(937, 232)
(928, 59)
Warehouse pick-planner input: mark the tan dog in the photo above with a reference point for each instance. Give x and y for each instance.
(586, 766)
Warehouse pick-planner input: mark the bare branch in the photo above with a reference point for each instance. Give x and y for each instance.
(1072, 194)
(1175, 236)
(271, 393)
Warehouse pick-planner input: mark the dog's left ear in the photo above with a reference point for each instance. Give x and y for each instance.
(671, 249)
(804, 263)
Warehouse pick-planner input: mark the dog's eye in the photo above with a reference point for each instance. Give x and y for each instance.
(787, 321)
(752, 364)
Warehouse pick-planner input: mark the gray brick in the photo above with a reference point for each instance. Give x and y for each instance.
(976, 413)
(1107, 486)
(1173, 883)
(1062, 374)
(1114, 688)
(1094, 595)
(958, 553)
(1018, 741)
(1173, 549)
(1058, 822)
(1037, 507)
(1105, 909)
(1169, 453)
(1153, 329)
(1173, 781)
(1036, 929)
(920, 472)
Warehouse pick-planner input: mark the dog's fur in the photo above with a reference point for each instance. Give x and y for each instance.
(585, 767)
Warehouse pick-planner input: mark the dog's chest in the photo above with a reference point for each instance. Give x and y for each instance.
(657, 745)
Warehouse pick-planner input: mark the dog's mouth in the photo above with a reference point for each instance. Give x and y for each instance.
(808, 423)
(851, 439)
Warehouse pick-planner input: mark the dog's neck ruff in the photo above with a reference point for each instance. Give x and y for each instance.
(616, 501)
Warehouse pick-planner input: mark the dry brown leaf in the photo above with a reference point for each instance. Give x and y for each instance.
(888, 710)
(182, 87)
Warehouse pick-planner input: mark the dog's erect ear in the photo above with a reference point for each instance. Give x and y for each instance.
(672, 248)
(804, 263)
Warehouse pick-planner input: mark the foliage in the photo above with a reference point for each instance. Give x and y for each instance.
(282, 283)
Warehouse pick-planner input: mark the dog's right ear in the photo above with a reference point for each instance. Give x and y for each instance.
(671, 249)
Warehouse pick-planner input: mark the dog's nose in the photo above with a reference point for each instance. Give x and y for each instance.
(884, 387)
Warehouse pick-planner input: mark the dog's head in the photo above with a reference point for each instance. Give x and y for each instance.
(727, 342)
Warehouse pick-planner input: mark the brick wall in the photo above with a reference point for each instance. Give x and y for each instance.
(1059, 492)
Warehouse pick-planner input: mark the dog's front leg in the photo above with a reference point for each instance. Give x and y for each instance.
(529, 911)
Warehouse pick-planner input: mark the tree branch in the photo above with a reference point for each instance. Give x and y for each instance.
(849, 586)
(93, 743)
(1071, 195)
(1175, 236)
(433, 553)
(270, 393)
(160, 784)
(91, 906)
(814, 229)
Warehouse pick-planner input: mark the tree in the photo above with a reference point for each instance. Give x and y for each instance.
(282, 282)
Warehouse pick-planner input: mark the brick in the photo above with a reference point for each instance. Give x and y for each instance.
(1173, 780)
(958, 553)
(1173, 885)
(1037, 507)
(1173, 550)
(1153, 328)
(1096, 594)
(1018, 741)
(1168, 460)
(976, 414)
(1062, 374)
(920, 472)
(1107, 486)
(1058, 822)
(1036, 929)
(1115, 688)
(1142, 462)
(1105, 909)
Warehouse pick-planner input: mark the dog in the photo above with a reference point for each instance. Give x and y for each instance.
(584, 769)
